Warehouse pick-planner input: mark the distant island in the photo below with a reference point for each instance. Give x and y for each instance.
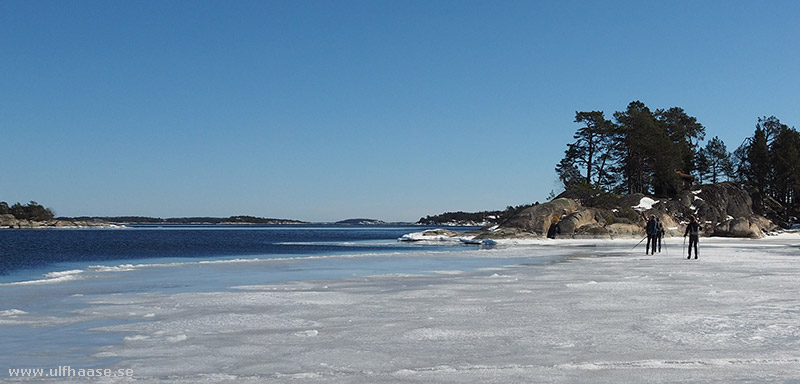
(34, 215)
(471, 219)
(232, 220)
(361, 222)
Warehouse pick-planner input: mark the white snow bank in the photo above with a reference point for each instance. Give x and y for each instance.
(50, 278)
(433, 236)
(12, 313)
(426, 236)
(645, 203)
(58, 275)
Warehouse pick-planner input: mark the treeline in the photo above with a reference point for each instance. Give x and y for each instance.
(472, 217)
(657, 152)
(187, 220)
(460, 217)
(770, 161)
(32, 211)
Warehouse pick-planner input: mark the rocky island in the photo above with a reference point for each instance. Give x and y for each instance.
(36, 216)
(724, 209)
(11, 222)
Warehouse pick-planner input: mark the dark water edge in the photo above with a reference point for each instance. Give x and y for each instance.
(27, 254)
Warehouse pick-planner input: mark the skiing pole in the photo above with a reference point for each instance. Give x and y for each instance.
(684, 246)
(640, 241)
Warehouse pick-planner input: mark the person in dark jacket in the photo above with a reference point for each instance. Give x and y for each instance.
(693, 230)
(651, 230)
(659, 233)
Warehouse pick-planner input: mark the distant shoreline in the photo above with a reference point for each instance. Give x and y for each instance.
(63, 223)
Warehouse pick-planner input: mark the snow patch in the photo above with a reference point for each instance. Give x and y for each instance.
(12, 313)
(451, 272)
(136, 338)
(176, 339)
(58, 275)
(645, 203)
(117, 268)
(50, 278)
(425, 236)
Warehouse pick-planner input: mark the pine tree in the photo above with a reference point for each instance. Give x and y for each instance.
(585, 163)
(718, 159)
(685, 133)
(702, 166)
(648, 158)
(758, 159)
(785, 158)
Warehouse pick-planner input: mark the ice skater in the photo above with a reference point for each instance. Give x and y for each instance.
(652, 230)
(693, 230)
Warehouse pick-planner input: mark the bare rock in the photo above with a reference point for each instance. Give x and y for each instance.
(582, 218)
(753, 227)
(8, 221)
(534, 221)
(622, 230)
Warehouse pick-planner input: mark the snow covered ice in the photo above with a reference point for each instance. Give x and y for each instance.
(601, 314)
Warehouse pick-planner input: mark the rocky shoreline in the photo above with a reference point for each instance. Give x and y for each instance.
(724, 210)
(10, 222)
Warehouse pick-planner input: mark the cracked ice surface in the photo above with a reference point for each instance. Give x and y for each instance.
(606, 314)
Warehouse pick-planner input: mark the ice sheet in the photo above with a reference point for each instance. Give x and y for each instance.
(605, 314)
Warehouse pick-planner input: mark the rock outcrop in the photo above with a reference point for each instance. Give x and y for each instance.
(9, 221)
(533, 221)
(724, 209)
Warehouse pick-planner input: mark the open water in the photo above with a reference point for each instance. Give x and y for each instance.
(35, 255)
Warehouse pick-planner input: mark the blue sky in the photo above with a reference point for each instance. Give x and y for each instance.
(327, 110)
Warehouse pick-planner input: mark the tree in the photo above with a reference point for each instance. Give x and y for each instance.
(591, 145)
(640, 151)
(685, 133)
(702, 167)
(758, 158)
(569, 175)
(740, 167)
(770, 162)
(771, 126)
(785, 156)
(718, 160)
(32, 211)
(648, 158)
(586, 159)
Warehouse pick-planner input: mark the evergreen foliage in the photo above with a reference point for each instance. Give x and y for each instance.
(639, 152)
(472, 217)
(32, 211)
(460, 217)
(770, 161)
(714, 161)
